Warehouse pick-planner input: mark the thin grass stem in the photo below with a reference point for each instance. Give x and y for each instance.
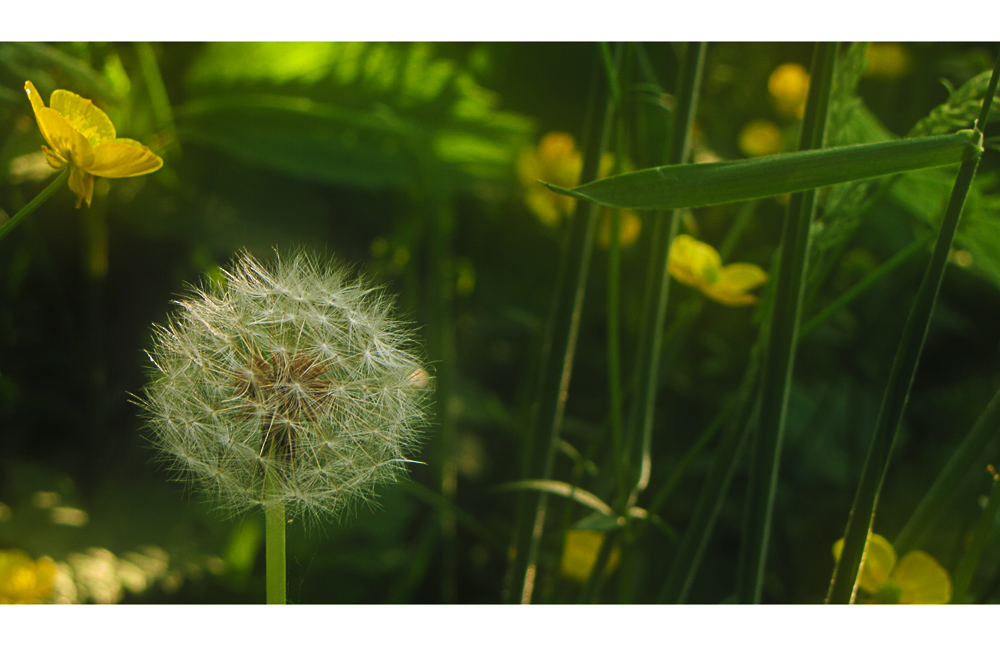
(780, 355)
(984, 530)
(843, 585)
(557, 362)
(968, 458)
(865, 284)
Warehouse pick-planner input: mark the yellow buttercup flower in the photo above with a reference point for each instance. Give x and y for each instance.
(887, 60)
(789, 87)
(580, 554)
(557, 161)
(699, 265)
(915, 578)
(759, 138)
(82, 137)
(23, 579)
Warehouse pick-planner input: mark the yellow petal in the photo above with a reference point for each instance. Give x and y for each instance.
(580, 554)
(24, 580)
(692, 262)
(123, 158)
(921, 579)
(84, 116)
(64, 139)
(33, 96)
(734, 282)
(878, 562)
(82, 184)
(55, 159)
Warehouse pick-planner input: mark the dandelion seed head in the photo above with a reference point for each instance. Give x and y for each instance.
(296, 368)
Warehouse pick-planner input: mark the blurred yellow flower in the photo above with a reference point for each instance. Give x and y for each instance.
(557, 161)
(699, 265)
(759, 138)
(915, 578)
(580, 554)
(887, 60)
(789, 87)
(628, 228)
(83, 137)
(23, 579)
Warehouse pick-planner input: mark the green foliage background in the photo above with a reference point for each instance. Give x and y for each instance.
(353, 149)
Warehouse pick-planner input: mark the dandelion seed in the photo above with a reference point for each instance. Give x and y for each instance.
(238, 390)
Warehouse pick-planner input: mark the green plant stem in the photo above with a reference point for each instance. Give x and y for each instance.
(864, 284)
(640, 427)
(780, 358)
(843, 585)
(968, 458)
(158, 97)
(557, 364)
(274, 548)
(30, 207)
(688, 556)
(984, 530)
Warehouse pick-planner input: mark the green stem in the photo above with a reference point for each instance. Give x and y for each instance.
(688, 556)
(780, 359)
(557, 365)
(640, 425)
(968, 458)
(843, 585)
(30, 207)
(984, 529)
(274, 541)
(864, 284)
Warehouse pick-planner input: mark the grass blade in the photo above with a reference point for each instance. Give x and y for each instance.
(968, 458)
(984, 529)
(691, 185)
(843, 585)
(779, 359)
(557, 365)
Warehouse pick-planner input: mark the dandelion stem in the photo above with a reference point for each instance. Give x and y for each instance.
(274, 547)
(30, 207)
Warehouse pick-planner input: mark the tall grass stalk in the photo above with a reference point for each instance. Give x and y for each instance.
(968, 458)
(980, 538)
(843, 585)
(780, 353)
(640, 423)
(633, 464)
(557, 360)
(864, 284)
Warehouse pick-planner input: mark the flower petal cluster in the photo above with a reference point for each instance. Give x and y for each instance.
(289, 384)
(789, 88)
(915, 578)
(557, 161)
(23, 579)
(699, 265)
(82, 137)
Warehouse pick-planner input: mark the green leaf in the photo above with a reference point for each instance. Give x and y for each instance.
(691, 185)
(563, 489)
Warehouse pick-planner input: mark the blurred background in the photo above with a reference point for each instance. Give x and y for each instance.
(411, 161)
